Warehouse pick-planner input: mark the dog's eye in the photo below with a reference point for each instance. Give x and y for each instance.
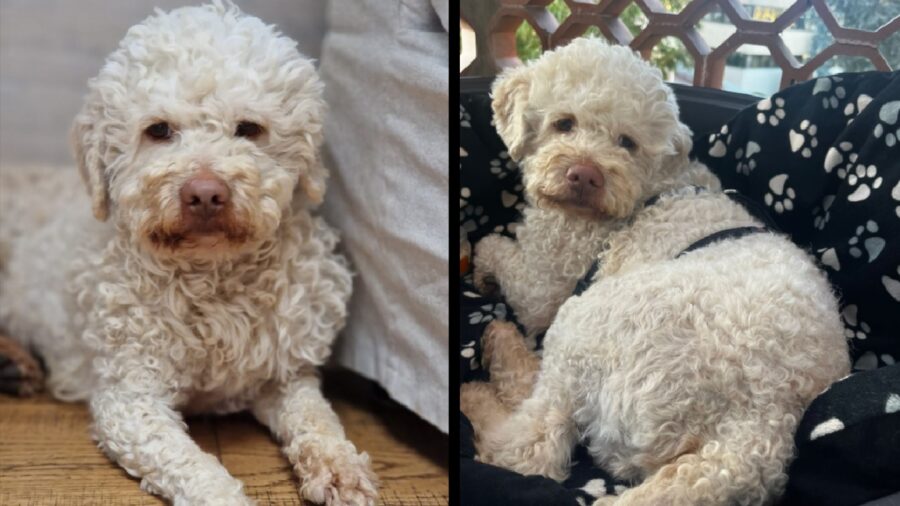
(159, 131)
(627, 142)
(564, 125)
(248, 129)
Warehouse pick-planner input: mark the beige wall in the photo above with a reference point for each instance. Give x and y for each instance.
(50, 48)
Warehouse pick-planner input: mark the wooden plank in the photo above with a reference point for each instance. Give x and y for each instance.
(48, 458)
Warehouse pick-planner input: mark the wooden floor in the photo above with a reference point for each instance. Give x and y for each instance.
(47, 457)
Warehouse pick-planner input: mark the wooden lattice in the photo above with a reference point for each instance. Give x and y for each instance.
(494, 23)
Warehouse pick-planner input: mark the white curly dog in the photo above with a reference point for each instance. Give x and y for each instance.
(207, 285)
(685, 372)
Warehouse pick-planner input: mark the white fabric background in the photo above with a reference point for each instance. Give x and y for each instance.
(50, 48)
(387, 85)
(385, 65)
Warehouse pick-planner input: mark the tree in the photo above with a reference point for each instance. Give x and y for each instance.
(863, 15)
(667, 54)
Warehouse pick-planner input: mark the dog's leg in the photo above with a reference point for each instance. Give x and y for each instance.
(139, 429)
(512, 365)
(494, 257)
(479, 402)
(328, 465)
(539, 436)
(20, 373)
(513, 369)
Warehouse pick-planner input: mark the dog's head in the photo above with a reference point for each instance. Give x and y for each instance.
(593, 126)
(198, 130)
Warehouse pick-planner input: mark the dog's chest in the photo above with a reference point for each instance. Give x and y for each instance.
(217, 332)
(237, 335)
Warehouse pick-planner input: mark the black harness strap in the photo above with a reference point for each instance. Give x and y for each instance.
(585, 280)
(730, 233)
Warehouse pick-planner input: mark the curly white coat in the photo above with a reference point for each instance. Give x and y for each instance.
(688, 373)
(147, 330)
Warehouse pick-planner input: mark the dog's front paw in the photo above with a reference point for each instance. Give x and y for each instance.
(490, 252)
(208, 486)
(331, 472)
(486, 283)
(215, 498)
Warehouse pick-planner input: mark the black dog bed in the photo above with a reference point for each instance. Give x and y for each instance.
(823, 158)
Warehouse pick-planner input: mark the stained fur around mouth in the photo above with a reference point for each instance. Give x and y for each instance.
(234, 232)
(578, 205)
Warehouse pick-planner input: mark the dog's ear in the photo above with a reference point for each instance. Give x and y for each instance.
(681, 147)
(313, 181)
(509, 96)
(89, 146)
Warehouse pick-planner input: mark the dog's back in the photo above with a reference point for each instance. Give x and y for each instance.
(45, 223)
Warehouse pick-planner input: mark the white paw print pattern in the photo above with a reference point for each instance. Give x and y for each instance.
(769, 114)
(869, 361)
(471, 217)
(488, 312)
(840, 156)
(468, 351)
(863, 179)
(854, 328)
(895, 194)
(804, 140)
(513, 200)
(866, 362)
(781, 198)
(503, 165)
(465, 120)
(719, 147)
(464, 194)
(829, 258)
(509, 228)
(595, 487)
(822, 214)
(892, 285)
(829, 426)
(864, 237)
(832, 97)
(852, 109)
(888, 114)
(746, 163)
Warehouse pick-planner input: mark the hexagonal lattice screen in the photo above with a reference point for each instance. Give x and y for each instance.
(755, 46)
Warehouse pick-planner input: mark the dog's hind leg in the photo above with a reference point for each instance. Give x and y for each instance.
(538, 437)
(512, 365)
(747, 469)
(479, 402)
(513, 368)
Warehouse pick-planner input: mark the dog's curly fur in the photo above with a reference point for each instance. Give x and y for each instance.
(689, 374)
(146, 319)
(558, 241)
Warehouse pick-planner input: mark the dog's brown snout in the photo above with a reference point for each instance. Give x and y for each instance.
(584, 175)
(205, 195)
